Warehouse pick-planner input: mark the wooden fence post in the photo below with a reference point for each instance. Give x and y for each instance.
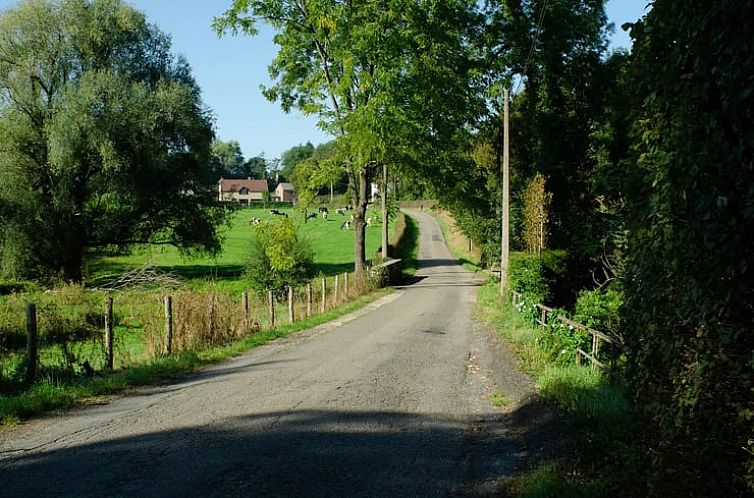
(335, 293)
(168, 325)
(245, 306)
(308, 300)
(291, 317)
(31, 343)
(324, 294)
(271, 308)
(544, 317)
(345, 285)
(109, 332)
(595, 347)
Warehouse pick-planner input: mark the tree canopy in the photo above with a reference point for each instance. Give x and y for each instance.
(104, 140)
(291, 157)
(227, 159)
(358, 66)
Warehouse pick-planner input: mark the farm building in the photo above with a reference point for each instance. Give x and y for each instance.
(285, 192)
(243, 191)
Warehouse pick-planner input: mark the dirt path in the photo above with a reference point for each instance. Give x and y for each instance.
(390, 403)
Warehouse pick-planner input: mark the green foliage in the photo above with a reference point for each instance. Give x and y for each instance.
(550, 481)
(536, 207)
(560, 341)
(227, 160)
(405, 242)
(279, 257)
(600, 309)
(526, 277)
(689, 286)
(107, 130)
(291, 157)
(602, 462)
(9, 286)
(395, 81)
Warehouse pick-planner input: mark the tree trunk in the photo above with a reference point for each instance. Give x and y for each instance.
(384, 227)
(72, 259)
(359, 222)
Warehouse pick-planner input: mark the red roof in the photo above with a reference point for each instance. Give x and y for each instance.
(235, 185)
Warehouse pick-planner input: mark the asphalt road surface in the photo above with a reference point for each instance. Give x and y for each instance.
(389, 402)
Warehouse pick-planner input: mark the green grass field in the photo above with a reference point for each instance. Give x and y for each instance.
(333, 250)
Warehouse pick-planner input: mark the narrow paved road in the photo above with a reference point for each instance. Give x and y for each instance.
(388, 404)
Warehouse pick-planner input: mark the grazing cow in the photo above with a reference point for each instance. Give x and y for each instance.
(324, 215)
(275, 212)
(255, 221)
(341, 211)
(346, 225)
(323, 209)
(311, 216)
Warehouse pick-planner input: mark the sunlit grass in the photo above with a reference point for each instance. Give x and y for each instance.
(594, 406)
(333, 249)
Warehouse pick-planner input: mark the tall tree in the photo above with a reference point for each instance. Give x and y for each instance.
(557, 47)
(291, 157)
(227, 159)
(360, 66)
(256, 167)
(104, 140)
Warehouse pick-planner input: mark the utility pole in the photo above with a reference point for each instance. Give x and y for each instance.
(505, 223)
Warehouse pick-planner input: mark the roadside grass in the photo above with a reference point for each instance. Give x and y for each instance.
(596, 409)
(64, 384)
(333, 249)
(549, 481)
(48, 394)
(457, 242)
(499, 399)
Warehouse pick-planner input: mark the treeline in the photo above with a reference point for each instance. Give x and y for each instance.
(638, 168)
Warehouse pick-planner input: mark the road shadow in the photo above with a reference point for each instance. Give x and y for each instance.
(431, 263)
(293, 453)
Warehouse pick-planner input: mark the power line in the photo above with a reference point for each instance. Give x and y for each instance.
(533, 47)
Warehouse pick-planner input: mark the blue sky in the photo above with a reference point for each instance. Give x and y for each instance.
(230, 70)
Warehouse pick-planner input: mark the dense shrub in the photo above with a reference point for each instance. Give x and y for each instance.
(526, 277)
(279, 257)
(689, 286)
(561, 341)
(599, 309)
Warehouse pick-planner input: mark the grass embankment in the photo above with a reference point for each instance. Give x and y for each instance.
(597, 411)
(405, 242)
(460, 246)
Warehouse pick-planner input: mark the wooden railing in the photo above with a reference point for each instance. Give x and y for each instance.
(543, 319)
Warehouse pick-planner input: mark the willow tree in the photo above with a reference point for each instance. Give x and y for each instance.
(104, 141)
(375, 73)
